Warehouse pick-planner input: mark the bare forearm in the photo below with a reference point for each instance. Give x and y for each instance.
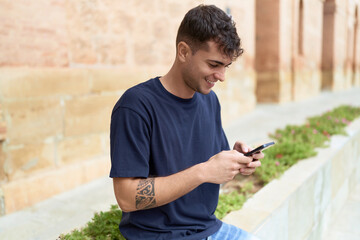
(138, 194)
(135, 194)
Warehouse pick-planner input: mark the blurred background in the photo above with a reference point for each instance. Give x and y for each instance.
(65, 63)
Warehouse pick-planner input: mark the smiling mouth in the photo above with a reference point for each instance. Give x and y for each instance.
(212, 83)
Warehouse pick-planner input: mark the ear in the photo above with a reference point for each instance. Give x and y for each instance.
(183, 51)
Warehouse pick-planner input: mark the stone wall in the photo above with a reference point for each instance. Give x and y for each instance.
(340, 68)
(305, 46)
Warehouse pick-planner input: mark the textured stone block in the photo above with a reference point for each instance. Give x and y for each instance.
(24, 83)
(80, 148)
(110, 80)
(301, 211)
(105, 138)
(307, 84)
(339, 198)
(337, 172)
(24, 160)
(32, 39)
(322, 191)
(246, 218)
(285, 91)
(15, 196)
(277, 227)
(2, 130)
(87, 115)
(96, 168)
(234, 104)
(3, 157)
(268, 87)
(33, 120)
(25, 192)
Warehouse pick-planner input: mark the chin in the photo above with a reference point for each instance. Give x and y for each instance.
(206, 92)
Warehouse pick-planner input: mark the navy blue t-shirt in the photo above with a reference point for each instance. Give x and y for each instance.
(154, 133)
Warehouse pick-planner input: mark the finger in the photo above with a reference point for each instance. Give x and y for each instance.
(243, 165)
(247, 171)
(254, 164)
(237, 146)
(244, 160)
(258, 155)
(241, 147)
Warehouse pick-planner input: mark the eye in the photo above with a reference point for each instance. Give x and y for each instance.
(213, 65)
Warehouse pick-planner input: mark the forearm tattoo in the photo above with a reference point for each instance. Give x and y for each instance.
(145, 194)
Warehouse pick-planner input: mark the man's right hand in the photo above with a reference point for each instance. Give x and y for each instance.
(224, 166)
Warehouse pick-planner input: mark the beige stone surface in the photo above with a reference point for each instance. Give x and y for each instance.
(301, 211)
(80, 148)
(24, 160)
(3, 175)
(33, 120)
(88, 114)
(2, 124)
(277, 228)
(339, 199)
(234, 101)
(322, 194)
(2, 130)
(279, 38)
(20, 83)
(286, 85)
(97, 168)
(28, 191)
(32, 39)
(117, 79)
(338, 174)
(248, 219)
(307, 84)
(268, 87)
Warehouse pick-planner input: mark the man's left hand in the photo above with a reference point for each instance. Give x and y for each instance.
(249, 168)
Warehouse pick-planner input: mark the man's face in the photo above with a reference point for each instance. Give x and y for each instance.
(206, 67)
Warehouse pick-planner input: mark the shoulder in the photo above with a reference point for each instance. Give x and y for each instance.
(137, 97)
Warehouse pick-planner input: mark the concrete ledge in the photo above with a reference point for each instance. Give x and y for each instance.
(300, 204)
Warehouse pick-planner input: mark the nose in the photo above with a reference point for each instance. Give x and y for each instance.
(220, 75)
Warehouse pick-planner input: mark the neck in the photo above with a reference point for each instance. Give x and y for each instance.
(174, 83)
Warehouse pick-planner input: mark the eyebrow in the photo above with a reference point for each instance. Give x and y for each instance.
(220, 63)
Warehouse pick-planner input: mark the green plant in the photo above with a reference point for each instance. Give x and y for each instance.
(104, 226)
(229, 202)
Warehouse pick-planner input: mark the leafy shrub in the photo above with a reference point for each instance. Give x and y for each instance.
(229, 202)
(104, 226)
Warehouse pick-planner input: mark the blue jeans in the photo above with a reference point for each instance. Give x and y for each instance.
(230, 232)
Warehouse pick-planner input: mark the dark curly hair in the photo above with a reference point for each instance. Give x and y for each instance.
(208, 22)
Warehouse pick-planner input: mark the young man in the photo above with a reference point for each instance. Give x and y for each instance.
(169, 152)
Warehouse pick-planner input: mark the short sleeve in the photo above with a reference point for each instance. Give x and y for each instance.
(224, 140)
(129, 144)
(224, 143)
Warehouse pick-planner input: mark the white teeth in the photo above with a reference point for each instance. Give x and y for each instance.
(210, 81)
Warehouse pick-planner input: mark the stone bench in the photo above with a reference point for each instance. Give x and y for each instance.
(301, 203)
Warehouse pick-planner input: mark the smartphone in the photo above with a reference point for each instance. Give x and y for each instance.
(259, 148)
